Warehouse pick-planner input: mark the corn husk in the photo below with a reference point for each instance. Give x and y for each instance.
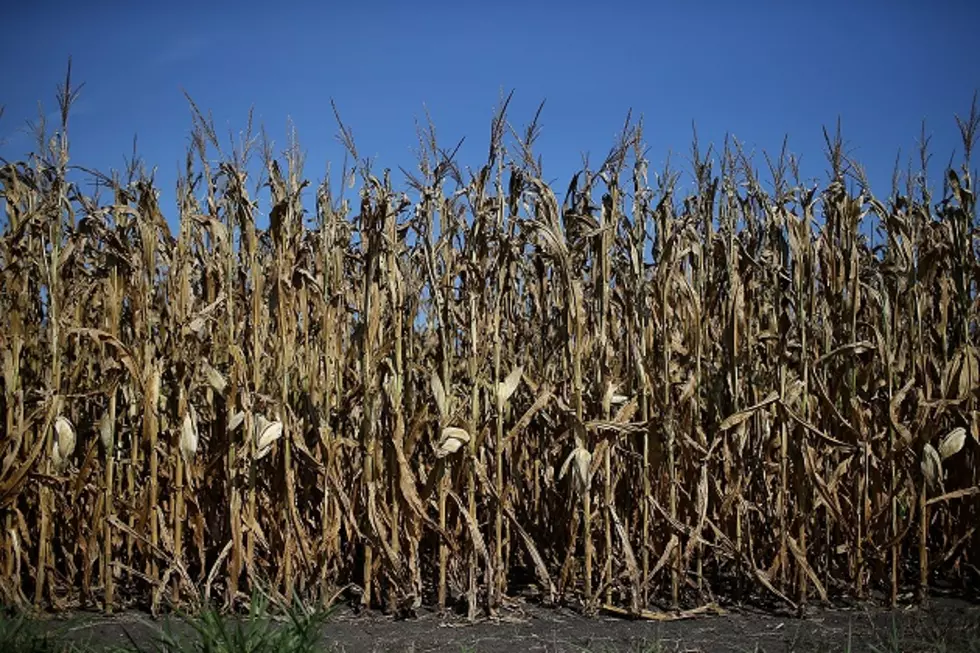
(189, 435)
(266, 433)
(952, 443)
(64, 442)
(450, 441)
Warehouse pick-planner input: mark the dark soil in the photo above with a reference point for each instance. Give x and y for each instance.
(945, 625)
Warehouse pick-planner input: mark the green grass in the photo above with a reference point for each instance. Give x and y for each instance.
(258, 632)
(293, 628)
(20, 634)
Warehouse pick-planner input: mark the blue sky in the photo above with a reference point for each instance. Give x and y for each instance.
(756, 70)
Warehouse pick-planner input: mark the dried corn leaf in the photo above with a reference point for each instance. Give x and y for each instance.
(541, 569)
(476, 537)
(737, 418)
(801, 560)
(631, 565)
(125, 356)
(957, 494)
(539, 404)
(893, 412)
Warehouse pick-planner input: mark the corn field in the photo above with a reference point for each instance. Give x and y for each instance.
(470, 391)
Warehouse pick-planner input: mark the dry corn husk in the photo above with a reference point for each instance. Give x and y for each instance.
(188, 435)
(266, 433)
(952, 443)
(105, 431)
(507, 387)
(153, 389)
(579, 461)
(393, 388)
(215, 379)
(439, 393)
(932, 465)
(451, 440)
(610, 398)
(64, 442)
(236, 420)
(197, 324)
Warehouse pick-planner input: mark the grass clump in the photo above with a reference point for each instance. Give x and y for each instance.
(20, 634)
(299, 629)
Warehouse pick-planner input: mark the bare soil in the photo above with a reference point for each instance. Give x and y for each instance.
(944, 625)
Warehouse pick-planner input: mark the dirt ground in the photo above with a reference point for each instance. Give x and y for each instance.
(945, 625)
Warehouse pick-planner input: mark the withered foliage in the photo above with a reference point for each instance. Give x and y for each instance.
(471, 391)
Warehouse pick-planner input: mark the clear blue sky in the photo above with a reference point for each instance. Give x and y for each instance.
(757, 70)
